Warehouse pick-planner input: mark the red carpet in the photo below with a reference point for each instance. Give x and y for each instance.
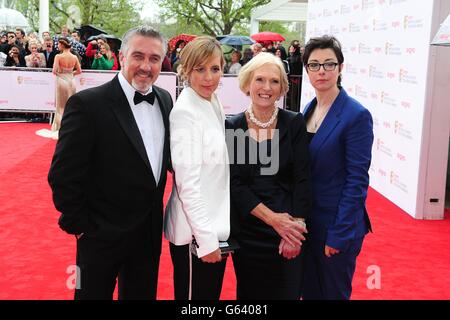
(412, 255)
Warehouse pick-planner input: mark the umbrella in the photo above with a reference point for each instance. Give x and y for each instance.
(110, 39)
(181, 37)
(88, 30)
(235, 40)
(267, 36)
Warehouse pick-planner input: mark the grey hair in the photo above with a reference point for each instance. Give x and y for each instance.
(144, 31)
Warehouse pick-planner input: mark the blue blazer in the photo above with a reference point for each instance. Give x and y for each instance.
(340, 154)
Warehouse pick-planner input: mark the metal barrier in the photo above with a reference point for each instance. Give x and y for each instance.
(293, 96)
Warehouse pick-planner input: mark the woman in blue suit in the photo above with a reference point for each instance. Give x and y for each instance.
(341, 136)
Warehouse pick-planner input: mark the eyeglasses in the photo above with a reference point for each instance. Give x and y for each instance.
(327, 66)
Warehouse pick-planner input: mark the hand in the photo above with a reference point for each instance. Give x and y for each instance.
(288, 251)
(329, 251)
(212, 257)
(288, 229)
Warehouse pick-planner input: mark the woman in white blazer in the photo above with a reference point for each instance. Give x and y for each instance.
(198, 212)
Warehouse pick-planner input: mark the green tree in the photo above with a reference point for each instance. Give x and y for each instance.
(213, 17)
(113, 16)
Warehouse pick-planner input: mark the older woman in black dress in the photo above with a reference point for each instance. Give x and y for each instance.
(270, 185)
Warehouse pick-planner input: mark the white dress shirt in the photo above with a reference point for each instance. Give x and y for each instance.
(150, 123)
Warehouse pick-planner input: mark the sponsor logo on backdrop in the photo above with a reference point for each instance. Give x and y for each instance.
(392, 50)
(378, 50)
(396, 181)
(406, 104)
(375, 73)
(410, 22)
(374, 96)
(402, 131)
(363, 71)
(406, 77)
(391, 2)
(396, 24)
(386, 124)
(379, 25)
(376, 122)
(387, 99)
(364, 49)
(327, 13)
(391, 75)
(344, 29)
(382, 172)
(410, 51)
(351, 69)
(91, 81)
(367, 4)
(345, 9)
(21, 80)
(334, 29)
(382, 147)
(317, 32)
(356, 7)
(401, 157)
(360, 92)
(381, 2)
(4, 101)
(353, 27)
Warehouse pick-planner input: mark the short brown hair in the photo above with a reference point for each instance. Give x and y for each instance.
(197, 52)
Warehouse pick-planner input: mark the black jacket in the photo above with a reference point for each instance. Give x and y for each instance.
(293, 174)
(100, 174)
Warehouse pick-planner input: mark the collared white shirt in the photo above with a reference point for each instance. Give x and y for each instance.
(151, 126)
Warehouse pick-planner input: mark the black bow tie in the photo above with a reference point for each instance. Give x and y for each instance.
(139, 97)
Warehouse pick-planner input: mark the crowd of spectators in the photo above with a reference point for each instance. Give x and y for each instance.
(291, 60)
(18, 49)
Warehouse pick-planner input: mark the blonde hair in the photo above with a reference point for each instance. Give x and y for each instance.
(34, 42)
(196, 52)
(246, 73)
(108, 50)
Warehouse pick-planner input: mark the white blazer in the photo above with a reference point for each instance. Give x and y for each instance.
(199, 205)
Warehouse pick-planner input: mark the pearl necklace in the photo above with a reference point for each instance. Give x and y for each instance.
(262, 124)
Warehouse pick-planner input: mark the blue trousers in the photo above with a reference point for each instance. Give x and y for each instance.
(329, 278)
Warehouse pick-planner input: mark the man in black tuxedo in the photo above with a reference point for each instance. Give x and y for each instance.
(109, 172)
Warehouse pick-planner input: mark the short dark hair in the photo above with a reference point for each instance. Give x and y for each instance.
(324, 42)
(21, 31)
